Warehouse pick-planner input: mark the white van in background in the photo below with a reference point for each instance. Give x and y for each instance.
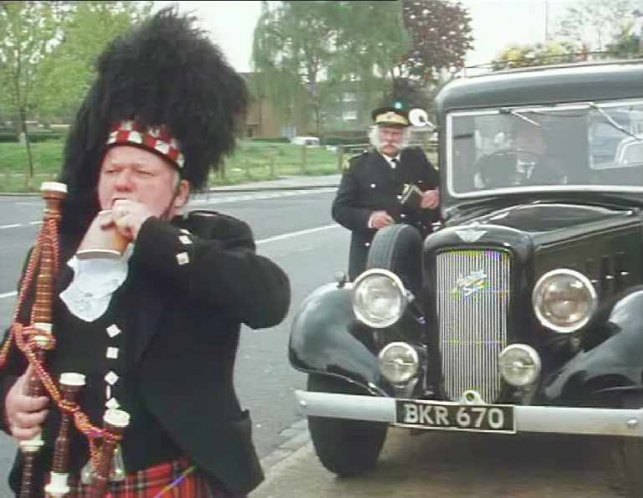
(308, 141)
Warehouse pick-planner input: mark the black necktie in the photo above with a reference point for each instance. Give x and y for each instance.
(396, 162)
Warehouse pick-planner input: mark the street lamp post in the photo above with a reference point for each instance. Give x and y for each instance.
(546, 21)
(639, 28)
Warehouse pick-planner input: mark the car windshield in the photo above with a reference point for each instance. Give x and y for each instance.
(587, 146)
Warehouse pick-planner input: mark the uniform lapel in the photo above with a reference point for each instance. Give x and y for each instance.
(402, 174)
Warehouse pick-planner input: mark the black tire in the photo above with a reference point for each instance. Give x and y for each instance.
(629, 454)
(345, 447)
(398, 248)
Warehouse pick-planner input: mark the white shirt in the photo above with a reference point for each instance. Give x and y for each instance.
(389, 160)
(95, 281)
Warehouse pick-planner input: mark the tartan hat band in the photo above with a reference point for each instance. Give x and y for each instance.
(156, 139)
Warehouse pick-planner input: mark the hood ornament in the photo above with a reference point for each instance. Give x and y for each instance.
(470, 235)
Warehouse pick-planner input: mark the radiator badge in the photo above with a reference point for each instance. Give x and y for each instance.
(470, 235)
(467, 285)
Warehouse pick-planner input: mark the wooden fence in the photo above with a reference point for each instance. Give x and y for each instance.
(258, 168)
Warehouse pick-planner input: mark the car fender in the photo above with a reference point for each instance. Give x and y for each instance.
(321, 341)
(614, 364)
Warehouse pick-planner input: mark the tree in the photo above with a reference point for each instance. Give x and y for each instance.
(366, 54)
(440, 34)
(372, 47)
(47, 50)
(596, 23)
(293, 44)
(626, 46)
(311, 50)
(68, 71)
(629, 43)
(29, 30)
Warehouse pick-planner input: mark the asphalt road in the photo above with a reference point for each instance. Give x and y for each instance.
(292, 227)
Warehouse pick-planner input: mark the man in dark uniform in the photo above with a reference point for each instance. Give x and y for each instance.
(375, 187)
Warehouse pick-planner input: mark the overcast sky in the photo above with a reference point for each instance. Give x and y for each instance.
(496, 23)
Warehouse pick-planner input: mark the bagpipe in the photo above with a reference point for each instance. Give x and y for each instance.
(35, 338)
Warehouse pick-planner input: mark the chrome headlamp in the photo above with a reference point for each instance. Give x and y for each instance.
(399, 362)
(379, 298)
(519, 365)
(564, 300)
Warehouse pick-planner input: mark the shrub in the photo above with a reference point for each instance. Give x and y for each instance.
(279, 140)
(9, 136)
(344, 140)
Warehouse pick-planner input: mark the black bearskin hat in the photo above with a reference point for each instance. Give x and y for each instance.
(164, 73)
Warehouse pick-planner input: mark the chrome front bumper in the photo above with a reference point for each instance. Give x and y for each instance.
(589, 421)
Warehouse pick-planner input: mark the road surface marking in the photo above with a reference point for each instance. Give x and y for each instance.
(296, 234)
(212, 199)
(267, 240)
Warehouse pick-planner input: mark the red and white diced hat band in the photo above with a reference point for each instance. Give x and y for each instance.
(157, 139)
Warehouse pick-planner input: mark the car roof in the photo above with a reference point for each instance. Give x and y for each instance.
(580, 82)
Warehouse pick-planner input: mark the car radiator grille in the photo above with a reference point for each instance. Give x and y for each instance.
(472, 305)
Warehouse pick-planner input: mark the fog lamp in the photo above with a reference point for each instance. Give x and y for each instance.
(399, 362)
(519, 364)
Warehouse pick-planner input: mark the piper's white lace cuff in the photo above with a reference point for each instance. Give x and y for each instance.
(95, 281)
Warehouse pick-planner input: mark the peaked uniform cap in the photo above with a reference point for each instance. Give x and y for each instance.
(390, 116)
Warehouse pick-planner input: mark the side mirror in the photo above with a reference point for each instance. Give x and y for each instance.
(419, 117)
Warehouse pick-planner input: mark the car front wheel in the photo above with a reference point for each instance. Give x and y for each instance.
(345, 447)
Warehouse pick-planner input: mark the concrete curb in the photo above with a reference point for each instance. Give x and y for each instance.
(19, 194)
(296, 436)
(261, 189)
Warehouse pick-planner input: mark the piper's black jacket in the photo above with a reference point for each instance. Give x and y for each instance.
(370, 184)
(187, 321)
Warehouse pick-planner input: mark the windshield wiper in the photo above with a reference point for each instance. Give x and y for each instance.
(613, 122)
(513, 112)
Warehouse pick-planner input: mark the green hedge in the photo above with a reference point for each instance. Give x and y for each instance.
(280, 140)
(34, 136)
(344, 140)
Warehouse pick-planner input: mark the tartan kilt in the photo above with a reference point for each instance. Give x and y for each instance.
(156, 482)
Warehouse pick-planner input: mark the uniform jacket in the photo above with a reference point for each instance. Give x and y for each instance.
(187, 325)
(370, 184)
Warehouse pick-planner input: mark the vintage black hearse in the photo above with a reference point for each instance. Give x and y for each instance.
(523, 312)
